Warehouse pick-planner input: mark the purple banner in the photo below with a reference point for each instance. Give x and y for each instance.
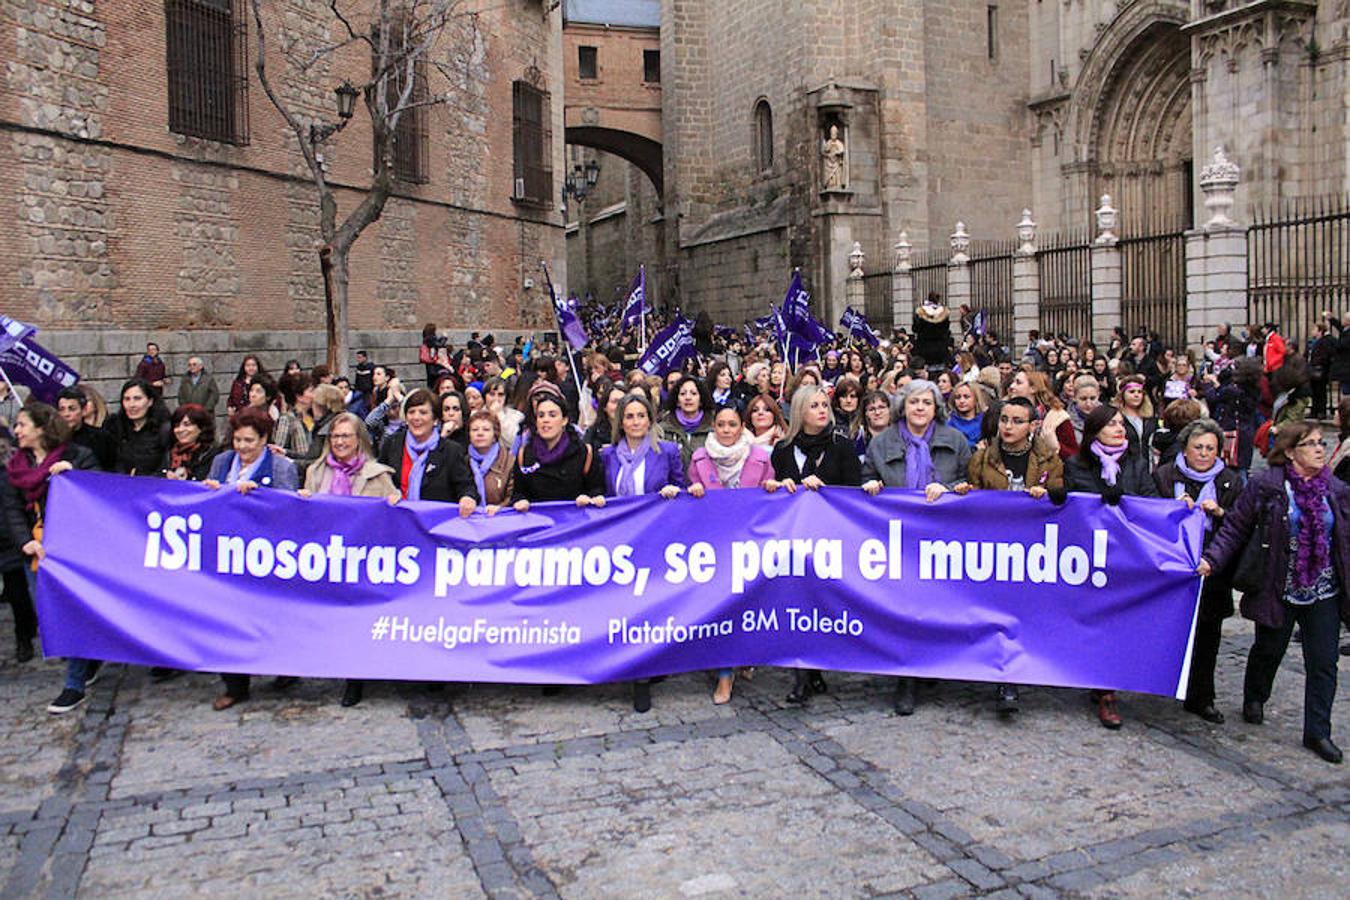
(669, 348)
(990, 587)
(29, 363)
(636, 304)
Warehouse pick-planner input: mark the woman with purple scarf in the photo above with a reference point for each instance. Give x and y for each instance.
(638, 463)
(1108, 466)
(689, 416)
(44, 451)
(1198, 477)
(1303, 514)
(922, 453)
(347, 467)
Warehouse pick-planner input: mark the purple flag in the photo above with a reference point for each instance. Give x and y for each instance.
(636, 304)
(993, 587)
(565, 311)
(27, 362)
(797, 314)
(857, 326)
(669, 348)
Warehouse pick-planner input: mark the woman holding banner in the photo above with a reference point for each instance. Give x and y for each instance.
(554, 462)
(765, 421)
(639, 463)
(730, 459)
(921, 453)
(1109, 466)
(426, 465)
(1197, 476)
(347, 467)
(249, 466)
(1296, 516)
(811, 455)
(44, 450)
(489, 460)
(688, 418)
(140, 432)
(194, 444)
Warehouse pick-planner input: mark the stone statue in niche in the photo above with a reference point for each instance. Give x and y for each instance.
(832, 152)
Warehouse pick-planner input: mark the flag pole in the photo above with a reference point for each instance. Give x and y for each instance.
(562, 337)
(642, 308)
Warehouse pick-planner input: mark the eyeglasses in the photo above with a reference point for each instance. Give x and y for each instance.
(1303, 445)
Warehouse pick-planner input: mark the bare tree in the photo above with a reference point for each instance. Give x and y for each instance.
(401, 39)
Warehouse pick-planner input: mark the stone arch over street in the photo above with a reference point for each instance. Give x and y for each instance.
(640, 150)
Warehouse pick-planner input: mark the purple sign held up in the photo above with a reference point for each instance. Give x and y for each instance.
(29, 363)
(990, 587)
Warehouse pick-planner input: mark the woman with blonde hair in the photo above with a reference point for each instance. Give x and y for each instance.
(1135, 406)
(1035, 386)
(965, 411)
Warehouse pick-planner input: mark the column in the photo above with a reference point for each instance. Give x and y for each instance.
(958, 278)
(1107, 287)
(1216, 256)
(855, 295)
(902, 284)
(1026, 287)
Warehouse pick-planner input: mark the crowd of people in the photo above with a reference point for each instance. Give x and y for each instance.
(939, 407)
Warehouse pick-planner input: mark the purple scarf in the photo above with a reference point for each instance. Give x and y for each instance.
(481, 464)
(1110, 458)
(629, 460)
(419, 452)
(919, 471)
(31, 480)
(543, 455)
(688, 423)
(343, 472)
(1312, 553)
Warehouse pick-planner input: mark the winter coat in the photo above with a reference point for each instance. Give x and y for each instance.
(18, 519)
(198, 467)
(756, 470)
(374, 480)
(1134, 478)
(986, 470)
(447, 477)
(658, 469)
(579, 472)
(138, 452)
(1266, 500)
(277, 472)
(687, 441)
(497, 480)
(838, 465)
(1216, 600)
(885, 457)
(204, 393)
(1236, 409)
(1340, 353)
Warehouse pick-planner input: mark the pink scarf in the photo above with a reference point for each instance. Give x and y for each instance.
(343, 473)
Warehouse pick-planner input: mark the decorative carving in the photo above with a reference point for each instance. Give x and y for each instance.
(960, 245)
(1218, 180)
(1107, 217)
(856, 257)
(904, 251)
(832, 153)
(1026, 233)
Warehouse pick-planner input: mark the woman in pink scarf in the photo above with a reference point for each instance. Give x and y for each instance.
(347, 468)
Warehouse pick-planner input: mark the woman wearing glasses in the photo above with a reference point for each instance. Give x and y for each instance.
(1303, 514)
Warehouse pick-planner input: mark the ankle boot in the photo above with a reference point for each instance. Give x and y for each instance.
(905, 691)
(801, 687)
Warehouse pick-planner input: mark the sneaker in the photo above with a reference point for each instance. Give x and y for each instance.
(68, 700)
(93, 675)
(1007, 700)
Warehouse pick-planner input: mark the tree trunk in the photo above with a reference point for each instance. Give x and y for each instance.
(333, 263)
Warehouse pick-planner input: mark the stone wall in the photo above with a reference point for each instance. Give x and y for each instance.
(116, 224)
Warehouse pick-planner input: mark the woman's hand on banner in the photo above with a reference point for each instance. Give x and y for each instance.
(1204, 568)
(670, 492)
(812, 483)
(466, 507)
(696, 490)
(934, 491)
(873, 487)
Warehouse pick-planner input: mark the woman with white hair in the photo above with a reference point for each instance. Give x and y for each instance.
(811, 455)
(923, 453)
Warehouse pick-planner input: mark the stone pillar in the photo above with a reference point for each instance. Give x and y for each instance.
(1216, 256)
(902, 284)
(1107, 287)
(1026, 286)
(958, 278)
(854, 293)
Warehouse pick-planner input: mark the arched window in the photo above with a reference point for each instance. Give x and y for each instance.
(763, 136)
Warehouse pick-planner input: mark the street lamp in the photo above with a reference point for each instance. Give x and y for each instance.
(346, 104)
(579, 182)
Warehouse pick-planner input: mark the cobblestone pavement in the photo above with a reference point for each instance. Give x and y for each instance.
(479, 790)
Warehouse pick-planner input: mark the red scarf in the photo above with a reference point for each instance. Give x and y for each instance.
(31, 479)
(180, 455)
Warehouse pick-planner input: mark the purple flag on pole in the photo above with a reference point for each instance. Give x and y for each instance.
(856, 324)
(636, 303)
(797, 314)
(993, 587)
(27, 362)
(669, 348)
(569, 323)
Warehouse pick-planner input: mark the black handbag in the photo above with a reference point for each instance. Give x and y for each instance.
(1249, 575)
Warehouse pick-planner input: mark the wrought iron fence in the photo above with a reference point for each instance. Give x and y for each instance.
(878, 309)
(1066, 284)
(991, 285)
(1298, 264)
(930, 275)
(1153, 285)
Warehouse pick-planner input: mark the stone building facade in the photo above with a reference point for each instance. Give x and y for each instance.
(972, 111)
(121, 229)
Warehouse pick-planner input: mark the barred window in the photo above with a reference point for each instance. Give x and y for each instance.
(207, 59)
(409, 149)
(530, 110)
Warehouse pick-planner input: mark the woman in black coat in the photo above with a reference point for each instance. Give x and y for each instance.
(554, 461)
(194, 447)
(812, 455)
(1108, 465)
(139, 431)
(1197, 476)
(1300, 514)
(427, 466)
